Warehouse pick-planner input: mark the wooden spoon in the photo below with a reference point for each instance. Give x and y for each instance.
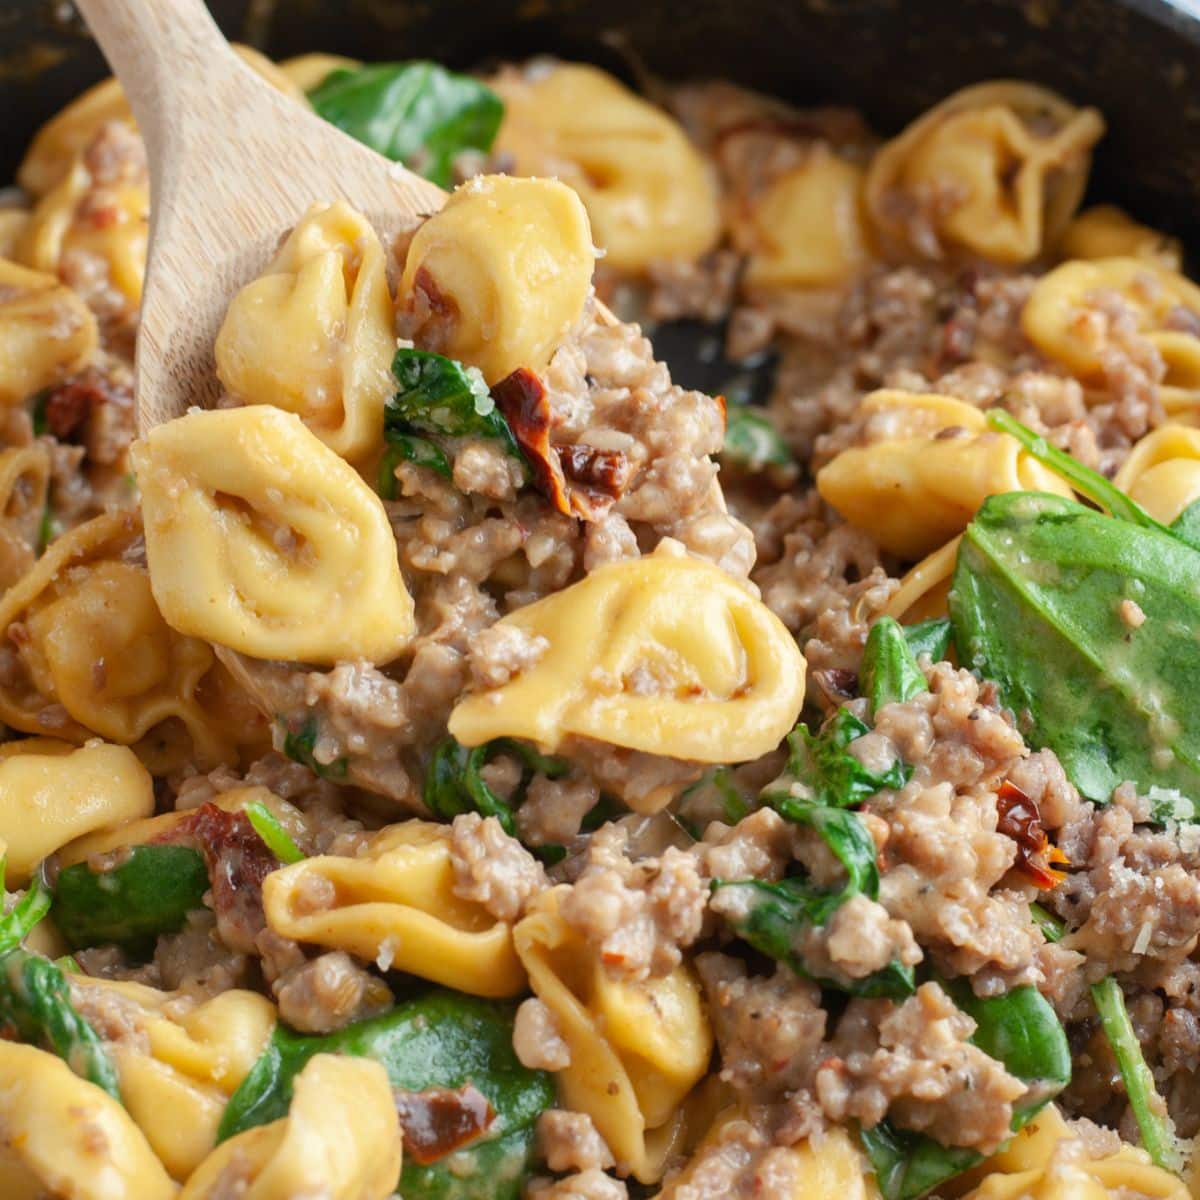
(234, 164)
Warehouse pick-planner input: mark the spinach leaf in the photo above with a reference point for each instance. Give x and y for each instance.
(417, 113)
(1037, 601)
(17, 923)
(406, 447)
(1051, 926)
(1186, 526)
(299, 744)
(714, 795)
(150, 892)
(1158, 1138)
(930, 637)
(35, 1005)
(889, 672)
(37, 412)
(274, 836)
(752, 442)
(1020, 1030)
(441, 1040)
(454, 783)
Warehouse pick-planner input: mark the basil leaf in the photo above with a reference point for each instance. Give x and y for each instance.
(1020, 1030)
(930, 637)
(36, 1002)
(150, 892)
(889, 672)
(1149, 1111)
(1036, 606)
(441, 1040)
(417, 113)
(752, 442)
(274, 836)
(299, 744)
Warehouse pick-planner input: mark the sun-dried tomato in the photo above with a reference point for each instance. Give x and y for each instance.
(438, 1121)
(1020, 820)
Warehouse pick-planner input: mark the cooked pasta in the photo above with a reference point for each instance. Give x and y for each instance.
(466, 764)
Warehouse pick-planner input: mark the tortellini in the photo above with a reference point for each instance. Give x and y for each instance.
(65, 1137)
(46, 332)
(178, 1060)
(49, 799)
(665, 654)
(1162, 472)
(924, 591)
(995, 170)
(1106, 231)
(24, 485)
(306, 71)
(58, 142)
(927, 465)
(637, 1048)
(340, 1141)
(94, 656)
(648, 191)
(313, 335)
(262, 539)
(1068, 318)
(1027, 1167)
(807, 230)
(499, 277)
(394, 904)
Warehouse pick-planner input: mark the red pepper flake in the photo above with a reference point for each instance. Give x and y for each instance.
(1020, 820)
(579, 480)
(439, 1121)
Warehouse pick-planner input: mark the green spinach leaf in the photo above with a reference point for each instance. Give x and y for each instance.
(752, 442)
(441, 1040)
(889, 672)
(407, 447)
(150, 892)
(931, 637)
(299, 744)
(1037, 602)
(1186, 526)
(274, 836)
(417, 113)
(18, 922)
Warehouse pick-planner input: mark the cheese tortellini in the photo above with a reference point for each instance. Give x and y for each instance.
(94, 656)
(46, 332)
(262, 539)
(649, 193)
(313, 335)
(394, 904)
(340, 1141)
(179, 1060)
(1162, 472)
(499, 276)
(1106, 231)
(1070, 317)
(637, 1048)
(927, 463)
(24, 487)
(54, 794)
(1029, 1168)
(808, 231)
(666, 654)
(65, 1137)
(996, 170)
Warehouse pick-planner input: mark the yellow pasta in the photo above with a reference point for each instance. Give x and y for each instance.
(1162, 472)
(314, 335)
(57, 143)
(261, 538)
(665, 654)
(394, 904)
(12, 223)
(933, 464)
(506, 267)
(1025, 1169)
(46, 332)
(179, 1060)
(997, 170)
(306, 71)
(1106, 231)
(807, 231)
(67, 1138)
(24, 484)
(637, 1048)
(649, 193)
(340, 1141)
(1063, 318)
(96, 657)
(48, 800)
(925, 589)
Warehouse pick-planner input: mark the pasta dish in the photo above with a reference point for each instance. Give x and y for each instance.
(467, 764)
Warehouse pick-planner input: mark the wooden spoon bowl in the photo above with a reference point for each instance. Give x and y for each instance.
(234, 164)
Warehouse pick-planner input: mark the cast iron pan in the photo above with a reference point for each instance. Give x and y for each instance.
(1138, 61)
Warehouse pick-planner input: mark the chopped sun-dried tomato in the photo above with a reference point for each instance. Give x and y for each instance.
(1020, 820)
(438, 1121)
